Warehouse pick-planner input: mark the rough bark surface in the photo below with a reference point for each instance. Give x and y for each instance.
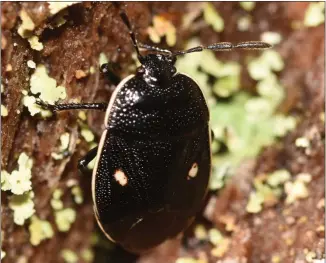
(93, 28)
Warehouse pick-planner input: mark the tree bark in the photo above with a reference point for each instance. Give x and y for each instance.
(94, 28)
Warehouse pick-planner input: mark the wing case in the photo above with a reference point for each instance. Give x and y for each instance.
(153, 162)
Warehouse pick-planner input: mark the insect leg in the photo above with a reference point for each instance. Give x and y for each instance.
(108, 69)
(212, 135)
(83, 162)
(72, 106)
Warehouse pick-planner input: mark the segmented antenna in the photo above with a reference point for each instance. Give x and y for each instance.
(225, 46)
(126, 21)
(157, 49)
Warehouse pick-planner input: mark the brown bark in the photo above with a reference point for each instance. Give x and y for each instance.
(92, 28)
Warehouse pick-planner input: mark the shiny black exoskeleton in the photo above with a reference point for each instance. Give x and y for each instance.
(153, 161)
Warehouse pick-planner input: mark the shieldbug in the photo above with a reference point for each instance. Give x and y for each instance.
(154, 160)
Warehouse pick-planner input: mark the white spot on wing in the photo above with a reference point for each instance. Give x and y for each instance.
(120, 177)
(193, 170)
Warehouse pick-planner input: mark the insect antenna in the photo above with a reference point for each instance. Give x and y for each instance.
(126, 21)
(225, 46)
(156, 49)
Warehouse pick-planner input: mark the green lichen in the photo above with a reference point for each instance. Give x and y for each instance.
(103, 59)
(302, 142)
(136, 62)
(64, 140)
(3, 254)
(55, 7)
(272, 38)
(5, 185)
(191, 15)
(245, 123)
(322, 117)
(31, 64)
(311, 257)
(213, 18)
(57, 194)
(270, 194)
(78, 194)
(255, 203)
(60, 19)
(215, 236)
(272, 59)
(82, 115)
(270, 89)
(220, 175)
(248, 5)
(39, 230)
(297, 189)
(92, 70)
(87, 135)
(278, 177)
(4, 111)
(205, 64)
(260, 68)
(200, 232)
(35, 43)
(283, 124)
(56, 202)
(27, 25)
(57, 156)
(244, 23)
(23, 207)
(19, 181)
(226, 86)
(304, 177)
(64, 219)
(29, 102)
(46, 86)
(187, 260)
(268, 190)
(162, 27)
(315, 14)
(87, 255)
(69, 256)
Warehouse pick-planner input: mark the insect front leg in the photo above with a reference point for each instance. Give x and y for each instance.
(72, 106)
(83, 162)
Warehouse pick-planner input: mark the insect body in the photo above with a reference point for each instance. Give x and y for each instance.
(153, 161)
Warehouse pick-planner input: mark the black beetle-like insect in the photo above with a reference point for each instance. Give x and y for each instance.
(154, 160)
